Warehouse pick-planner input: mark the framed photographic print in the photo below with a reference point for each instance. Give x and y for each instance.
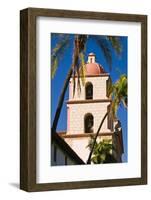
(83, 99)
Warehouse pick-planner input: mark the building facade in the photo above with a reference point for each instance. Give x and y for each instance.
(62, 153)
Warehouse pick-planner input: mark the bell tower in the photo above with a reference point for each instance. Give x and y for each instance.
(86, 109)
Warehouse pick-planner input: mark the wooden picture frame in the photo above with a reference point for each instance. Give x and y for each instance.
(28, 98)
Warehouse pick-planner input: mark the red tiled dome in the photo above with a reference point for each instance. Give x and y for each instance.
(94, 69)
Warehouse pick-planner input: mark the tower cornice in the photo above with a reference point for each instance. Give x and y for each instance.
(88, 101)
(96, 75)
(83, 135)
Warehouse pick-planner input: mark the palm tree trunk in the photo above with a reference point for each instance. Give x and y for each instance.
(89, 158)
(61, 100)
(66, 83)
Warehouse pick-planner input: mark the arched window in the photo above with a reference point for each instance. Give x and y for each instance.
(88, 123)
(89, 91)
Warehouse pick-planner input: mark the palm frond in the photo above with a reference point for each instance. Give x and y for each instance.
(116, 44)
(74, 83)
(78, 82)
(118, 94)
(78, 59)
(104, 48)
(82, 68)
(114, 108)
(107, 44)
(75, 67)
(58, 52)
(102, 150)
(109, 87)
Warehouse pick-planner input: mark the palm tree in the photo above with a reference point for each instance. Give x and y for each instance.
(118, 93)
(106, 45)
(102, 152)
(79, 47)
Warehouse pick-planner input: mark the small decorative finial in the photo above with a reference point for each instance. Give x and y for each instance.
(91, 58)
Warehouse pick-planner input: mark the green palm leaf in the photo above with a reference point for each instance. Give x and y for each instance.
(102, 150)
(78, 60)
(82, 68)
(116, 44)
(58, 52)
(118, 93)
(103, 44)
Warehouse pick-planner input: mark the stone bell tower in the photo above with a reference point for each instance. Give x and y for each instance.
(86, 109)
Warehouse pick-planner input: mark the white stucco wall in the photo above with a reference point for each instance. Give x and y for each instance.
(78, 111)
(99, 88)
(79, 145)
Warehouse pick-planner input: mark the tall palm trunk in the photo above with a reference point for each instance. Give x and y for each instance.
(94, 142)
(78, 47)
(61, 100)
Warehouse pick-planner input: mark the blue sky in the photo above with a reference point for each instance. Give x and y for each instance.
(119, 66)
